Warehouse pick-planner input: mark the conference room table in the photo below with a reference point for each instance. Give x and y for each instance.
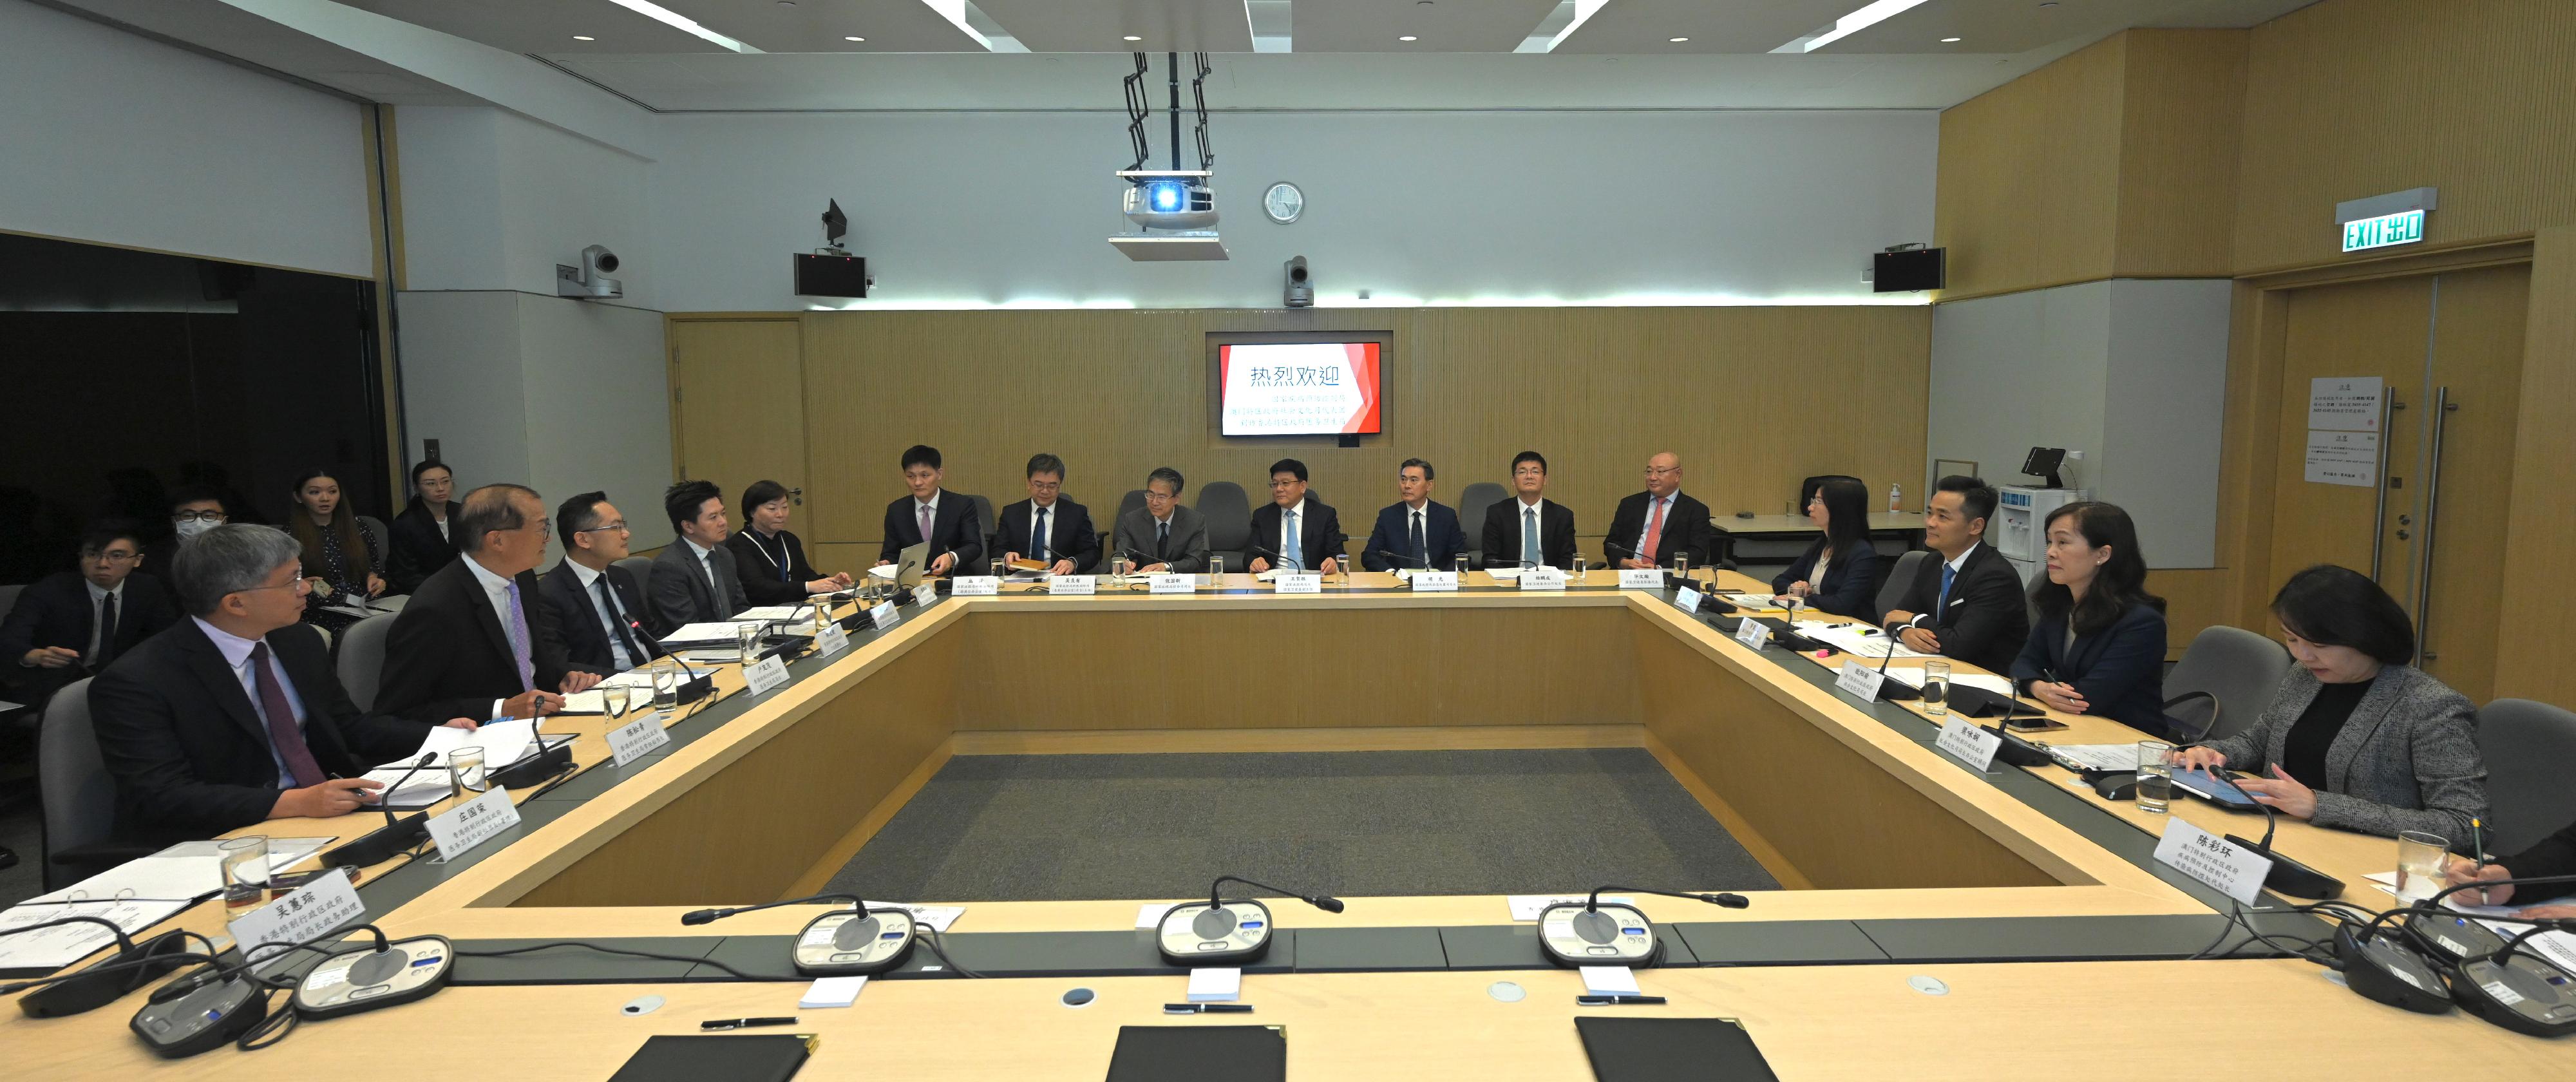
(1923, 900)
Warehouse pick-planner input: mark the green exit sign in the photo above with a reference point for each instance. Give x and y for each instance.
(2403, 227)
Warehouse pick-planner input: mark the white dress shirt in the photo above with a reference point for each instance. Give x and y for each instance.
(1042, 533)
(706, 563)
(608, 621)
(236, 651)
(96, 625)
(1305, 522)
(1937, 600)
(1520, 520)
(496, 590)
(1639, 544)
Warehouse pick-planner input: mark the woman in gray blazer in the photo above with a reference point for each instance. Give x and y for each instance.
(2356, 738)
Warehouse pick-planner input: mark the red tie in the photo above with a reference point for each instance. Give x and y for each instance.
(1654, 532)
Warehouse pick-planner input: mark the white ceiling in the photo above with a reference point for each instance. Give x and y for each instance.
(1343, 54)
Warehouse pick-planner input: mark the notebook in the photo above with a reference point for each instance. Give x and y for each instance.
(695, 1057)
(1671, 1050)
(1199, 1053)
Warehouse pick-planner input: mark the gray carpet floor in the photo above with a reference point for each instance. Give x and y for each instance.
(1067, 827)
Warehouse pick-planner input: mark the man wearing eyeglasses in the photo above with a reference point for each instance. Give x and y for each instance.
(594, 609)
(1048, 528)
(1660, 523)
(469, 642)
(71, 624)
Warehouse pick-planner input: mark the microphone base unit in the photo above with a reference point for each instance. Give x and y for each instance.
(2383, 970)
(1229, 933)
(382, 844)
(554, 757)
(212, 1015)
(846, 942)
(2452, 937)
(2525, 995)
(87, 991)
(1610, 935)
(2014, 751)
(2291, 877)
(363, 980)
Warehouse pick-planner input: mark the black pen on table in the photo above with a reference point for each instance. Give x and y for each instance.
(1618, 1001)
(745, 1023)
(1207, 1008)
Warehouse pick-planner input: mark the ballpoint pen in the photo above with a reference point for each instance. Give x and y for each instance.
(1618, 1001)
(1207, 1008)
(745, 1023)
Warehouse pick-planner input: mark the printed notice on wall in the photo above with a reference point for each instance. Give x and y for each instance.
(2343, 458)
(2344, 403)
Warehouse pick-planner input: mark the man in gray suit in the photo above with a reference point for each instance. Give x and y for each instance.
(693, 580)
(1163, 535)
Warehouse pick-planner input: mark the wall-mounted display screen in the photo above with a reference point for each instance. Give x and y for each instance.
(1299, 388)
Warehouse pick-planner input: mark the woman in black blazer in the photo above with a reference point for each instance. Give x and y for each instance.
(423, 537)
(1848, 584)
(769, 560)
(2099, 645)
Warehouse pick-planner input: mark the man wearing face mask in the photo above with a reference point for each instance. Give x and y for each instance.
(194, 509)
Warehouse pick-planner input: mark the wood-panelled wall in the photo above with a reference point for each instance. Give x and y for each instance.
(2353, 98)
(1597, 390)
(2119, 159)
(2540, 537)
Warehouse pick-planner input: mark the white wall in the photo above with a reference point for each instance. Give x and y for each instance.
(1446, 207)
(2130, 372)
(115, 139)
(494, 200)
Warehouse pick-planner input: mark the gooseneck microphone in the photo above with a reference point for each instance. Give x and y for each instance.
(396, 836)
(1418, 561)
(840, 942)
(101, 982)
(2286, 875)
(1325, 902)
(1223, 931)
(1616, 934)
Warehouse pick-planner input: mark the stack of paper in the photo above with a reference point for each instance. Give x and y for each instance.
(427, 786)
(2113, 757)
(503, 743)
(1912, 676)
(65, 944)
(702, 634)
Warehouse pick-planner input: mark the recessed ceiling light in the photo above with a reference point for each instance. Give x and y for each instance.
(1677, 41)
(583, 37)
(1945, 40)
(1408, 37)
(1132, 37)
(854, 38)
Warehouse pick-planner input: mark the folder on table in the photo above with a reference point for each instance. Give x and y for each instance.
(695, 1057)
(1198, 1053)
(1671, 1050)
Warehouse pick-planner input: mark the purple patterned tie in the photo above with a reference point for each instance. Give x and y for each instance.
(925, 522)
(519, 640)
(282, 729)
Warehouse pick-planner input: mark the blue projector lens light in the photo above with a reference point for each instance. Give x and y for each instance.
(1165, 195)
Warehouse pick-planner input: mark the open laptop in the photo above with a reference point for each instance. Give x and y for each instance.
(908, 565)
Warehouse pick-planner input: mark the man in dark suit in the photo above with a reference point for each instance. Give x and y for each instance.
(1529, 521)
(694, 580)
(1049, 528)
(1414, 531)
(1292, 532)
(1968, 607)
(1660, 523)
(594, 610)
(929, 514)
(71, 624)
(235, 716)
(1163, 535)
(470, 641)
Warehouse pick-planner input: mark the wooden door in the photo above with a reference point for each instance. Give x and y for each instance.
(2473, 396)
(2356, 329)
(738, 406)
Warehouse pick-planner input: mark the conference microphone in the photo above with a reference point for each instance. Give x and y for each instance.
(842, 942)
(2014, 750)
(1418, 562)
(2387, 969)
(538, 766)
(1616, 934)
(1899, 692)
(1224, 932)
(395, 837)
(104, 981)
(2452, 935)
(2286, 875)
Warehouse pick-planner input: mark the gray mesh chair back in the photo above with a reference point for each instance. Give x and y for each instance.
(9, 597)
(79, 796)
(1474, 501)
(2529, 748)
(383, 540)
(990, 527)
(1229, 521)
(641, 567)
(1134, 500)
(2225, 680)
(1907, 567)
(362, 658)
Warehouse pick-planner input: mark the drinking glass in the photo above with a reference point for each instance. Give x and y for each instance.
(1344, 566)
(2420, 857)
(614, 696)
(1001, 568)
(1681, 565)
(465, 764)
(749, 637)
(2155, 776)
(245, 864)
(666, 685)
(1936, 685)
(1461, 565)
(1574, 577)
(1216, 572)
(1118, 568)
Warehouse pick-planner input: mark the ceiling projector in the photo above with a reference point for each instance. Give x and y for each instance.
(1173, 210)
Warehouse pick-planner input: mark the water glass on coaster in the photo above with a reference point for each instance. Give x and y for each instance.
(465, 764)
(245, 864)
(747, 636)
(1936, 685)
(2420, 857)
(614, 697)
(2155, 776)
(666, 685)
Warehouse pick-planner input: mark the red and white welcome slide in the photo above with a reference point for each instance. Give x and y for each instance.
(1299, 389)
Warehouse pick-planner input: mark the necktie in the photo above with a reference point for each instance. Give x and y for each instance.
(1529, 534)
(106, 647)
(1947, 573)
(925, 522)
(628, 652)
(1162, 541)
(519, 640)
(1038, 538)
(1420, 553)
(1654, 534)
(1291, 551)
(282, 730)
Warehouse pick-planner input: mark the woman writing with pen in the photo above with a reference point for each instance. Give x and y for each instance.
(2550, 856)
(2099, 645)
